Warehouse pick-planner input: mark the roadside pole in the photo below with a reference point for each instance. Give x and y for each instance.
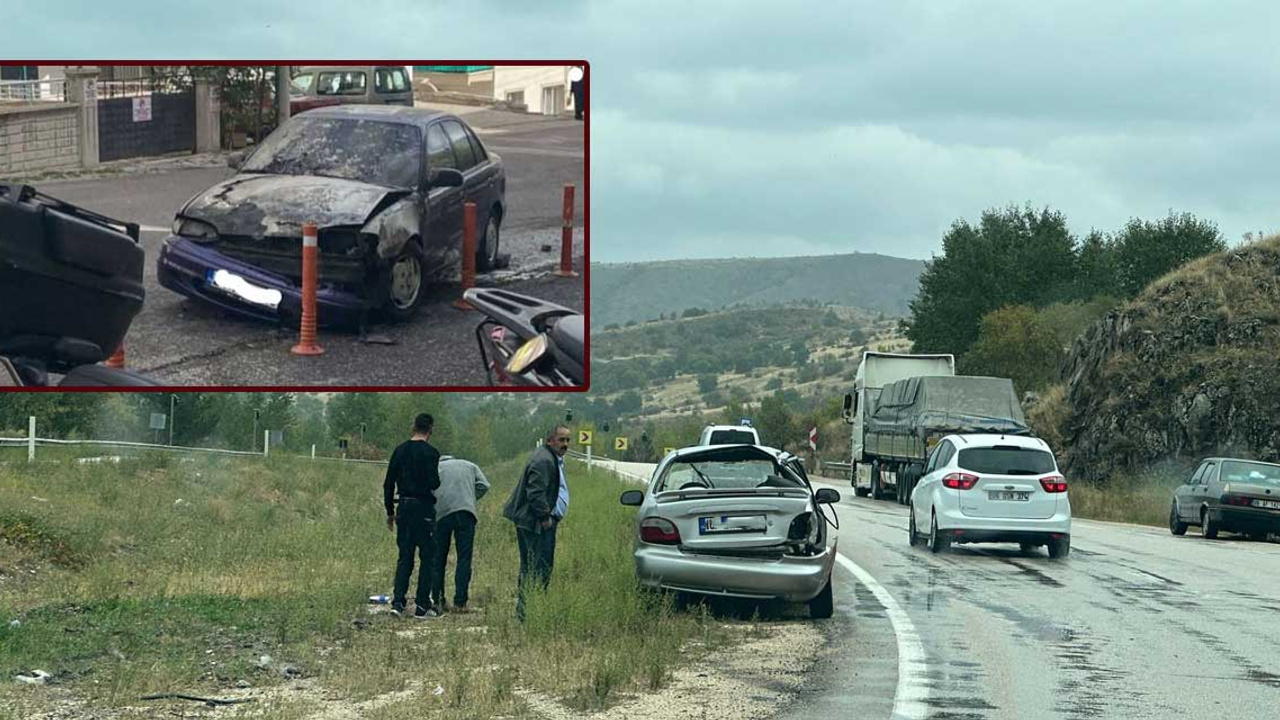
(266, 443)
(31, 438)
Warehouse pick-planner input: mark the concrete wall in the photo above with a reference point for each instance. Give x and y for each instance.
(531, 81)
(475, 83)
(36, 139)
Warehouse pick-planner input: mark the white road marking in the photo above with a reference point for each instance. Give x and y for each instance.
(909, 698)
(913, 689)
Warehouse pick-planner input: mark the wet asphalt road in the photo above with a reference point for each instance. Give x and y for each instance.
(184, 342)
(1135, 623)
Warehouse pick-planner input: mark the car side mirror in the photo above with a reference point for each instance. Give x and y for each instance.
(632, 497)
(849, 405)
(236, 159)
(827, 496)
(444, 177)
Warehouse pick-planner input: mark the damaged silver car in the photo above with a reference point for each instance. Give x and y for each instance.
(737, 521)
(386, 187)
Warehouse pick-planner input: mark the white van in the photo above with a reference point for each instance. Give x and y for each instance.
(729, 435)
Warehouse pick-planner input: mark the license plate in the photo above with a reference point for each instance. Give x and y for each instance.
(1270, 504)
(729, 524)
(238, 287)
(1010, 495)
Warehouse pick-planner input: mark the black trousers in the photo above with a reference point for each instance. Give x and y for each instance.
(537, 558)
(414, 533)
(461, 526)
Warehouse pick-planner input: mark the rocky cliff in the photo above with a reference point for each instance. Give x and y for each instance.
(1190, 368)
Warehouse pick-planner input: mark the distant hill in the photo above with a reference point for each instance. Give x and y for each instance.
(626, 292)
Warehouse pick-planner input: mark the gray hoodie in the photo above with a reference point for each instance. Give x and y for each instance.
(461, 485)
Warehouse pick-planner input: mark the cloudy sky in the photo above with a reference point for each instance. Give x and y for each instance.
(735, 128)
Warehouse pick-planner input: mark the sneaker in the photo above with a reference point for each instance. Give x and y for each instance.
(462, 609)
(397, 609)
(425, 613)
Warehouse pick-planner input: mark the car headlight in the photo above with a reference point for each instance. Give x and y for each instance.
(194, 229)
(527, 355)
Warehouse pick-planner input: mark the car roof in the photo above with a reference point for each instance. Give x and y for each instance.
(381, 113)
(343, 68)
(982, 440)
(698, 449)
(728, 427)
(1236, 459)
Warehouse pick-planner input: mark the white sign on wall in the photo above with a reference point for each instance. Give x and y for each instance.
(142, 109)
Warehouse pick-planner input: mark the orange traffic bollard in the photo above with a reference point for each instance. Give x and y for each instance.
(566, 239)
(117, 358)
(468, 253)
(307, 344)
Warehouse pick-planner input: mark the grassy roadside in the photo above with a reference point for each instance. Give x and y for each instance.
(1139, 499)
(154, 575)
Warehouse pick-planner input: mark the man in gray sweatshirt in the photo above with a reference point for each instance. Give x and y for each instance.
(461, 485)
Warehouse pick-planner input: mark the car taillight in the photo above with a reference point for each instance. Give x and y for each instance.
(1237, 500)
(659, 531)
(960, 481)
(1053, 484)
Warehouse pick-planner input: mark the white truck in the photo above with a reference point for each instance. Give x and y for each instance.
(867, 473)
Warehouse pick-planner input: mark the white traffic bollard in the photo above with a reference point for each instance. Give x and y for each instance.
(31, 438)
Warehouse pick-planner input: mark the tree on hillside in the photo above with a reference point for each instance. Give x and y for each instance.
(707, 383)
(1097, 272)
(775, 422)
(1147, 250)
(1014, 343)
(1013, 256)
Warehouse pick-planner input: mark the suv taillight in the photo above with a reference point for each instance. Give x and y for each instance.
(659, 531)
(960, 481)
(1053, 484)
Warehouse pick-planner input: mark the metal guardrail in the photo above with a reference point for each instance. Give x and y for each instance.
(51, 442)
(33, 90)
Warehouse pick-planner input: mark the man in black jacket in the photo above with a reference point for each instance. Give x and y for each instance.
(415, 471)
(537, 505)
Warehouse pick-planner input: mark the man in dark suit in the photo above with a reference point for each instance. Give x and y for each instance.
(536, 506)
(414, 471)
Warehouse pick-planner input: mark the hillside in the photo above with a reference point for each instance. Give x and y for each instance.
(627, 292)
(1186, 370)
(702, 363)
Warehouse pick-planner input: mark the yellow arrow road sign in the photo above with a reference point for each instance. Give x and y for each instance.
(620, 443)
(584, 437)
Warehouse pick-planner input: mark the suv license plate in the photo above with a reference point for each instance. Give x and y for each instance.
(1010, 495)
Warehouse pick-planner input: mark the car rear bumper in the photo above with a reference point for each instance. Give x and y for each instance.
(1247, 520)
(791, 578)
(976, 529)
(184, 267)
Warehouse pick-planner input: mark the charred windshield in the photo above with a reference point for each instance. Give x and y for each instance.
(379, 153)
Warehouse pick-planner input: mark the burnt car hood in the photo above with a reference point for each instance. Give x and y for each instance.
(256, 205)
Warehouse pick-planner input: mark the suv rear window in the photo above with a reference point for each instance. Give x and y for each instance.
(732, 437)
(1006, 460)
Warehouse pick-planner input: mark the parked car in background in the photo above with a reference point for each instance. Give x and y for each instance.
(1229, 495)
(368, 85)
(991, 488)
(729, 435)
(386, 187)
(736, 521)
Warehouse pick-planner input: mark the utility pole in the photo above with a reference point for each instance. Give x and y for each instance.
(282, 94)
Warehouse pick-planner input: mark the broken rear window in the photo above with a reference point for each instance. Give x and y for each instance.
(379, 153)
(726, 475)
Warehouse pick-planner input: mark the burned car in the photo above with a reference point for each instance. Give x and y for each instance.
(385, 186)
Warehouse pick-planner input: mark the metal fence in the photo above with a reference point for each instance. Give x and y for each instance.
(33, 441)
(27, 91)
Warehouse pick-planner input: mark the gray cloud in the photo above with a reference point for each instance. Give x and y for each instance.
(752, 128)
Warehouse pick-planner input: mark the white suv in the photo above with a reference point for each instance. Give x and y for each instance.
(729, 435)
(992, 488)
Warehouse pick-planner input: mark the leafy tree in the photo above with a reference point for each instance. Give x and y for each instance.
(1097, 270)
(775, 423)
(707, 383)
(1147, 250)
(1013, 256)
(1014, 343)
